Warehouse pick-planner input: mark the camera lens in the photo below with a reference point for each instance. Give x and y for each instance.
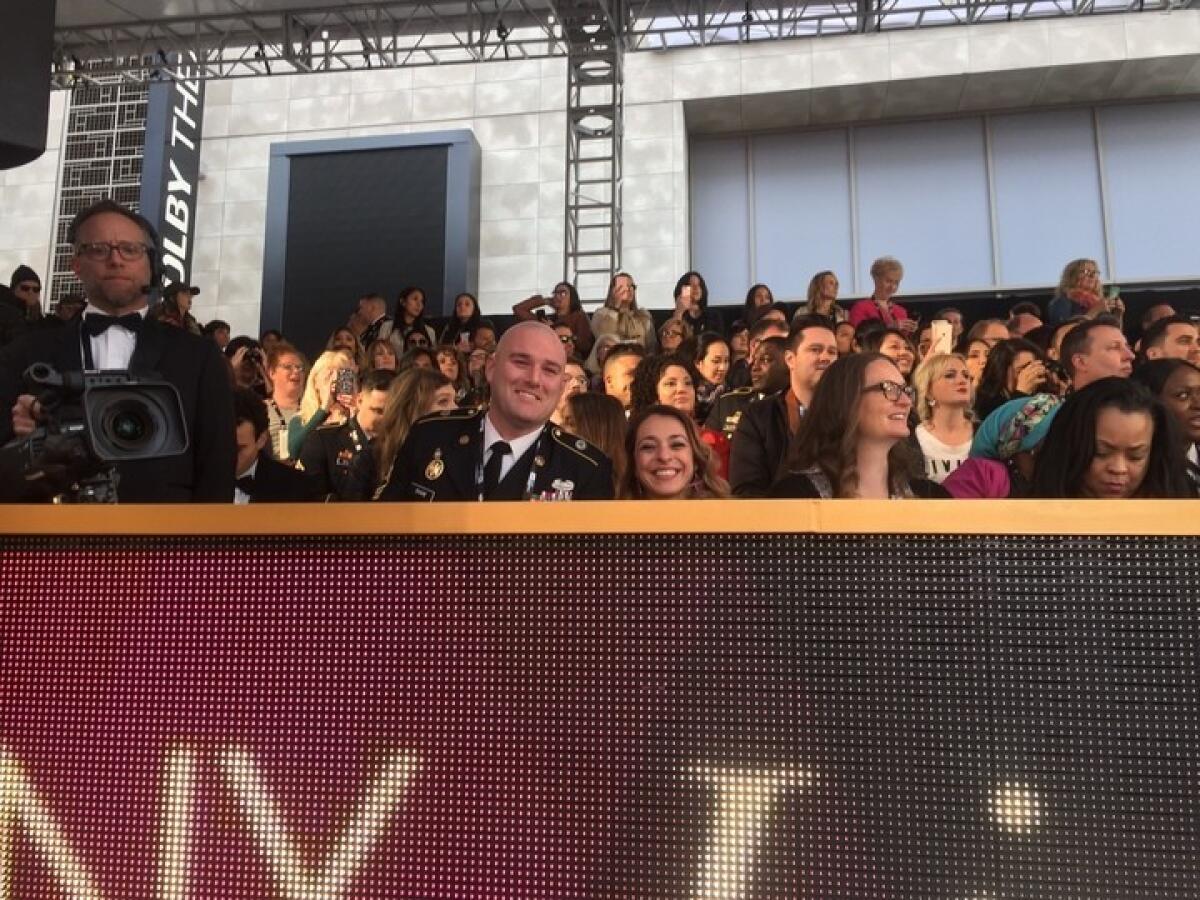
(129, 425)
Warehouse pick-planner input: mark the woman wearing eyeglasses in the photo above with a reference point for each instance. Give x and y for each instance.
(1080, 294)
(565, 309)
(286, 367)
(853, 441)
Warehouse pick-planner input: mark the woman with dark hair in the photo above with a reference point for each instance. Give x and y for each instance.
(461, 327)
(1015, 368)
(453, 364)
(410, 316)
(1176, 384)
(1112, 440)
(565, 309)
(853, 440)
(599, 420)
(667, 460)
(417, 358)
(758, 299)
(691, 305)
(621, 317)
(712, 362)
(821, 299)
(671, 381)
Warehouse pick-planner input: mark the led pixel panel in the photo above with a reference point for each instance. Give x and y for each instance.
(614, 716)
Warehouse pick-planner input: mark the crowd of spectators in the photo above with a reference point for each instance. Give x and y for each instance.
(828, 399)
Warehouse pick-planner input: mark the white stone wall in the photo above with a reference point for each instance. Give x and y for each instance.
(516, 110)
(27, 202)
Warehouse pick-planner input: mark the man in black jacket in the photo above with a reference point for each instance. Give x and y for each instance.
(511, 452)
(763, 437)
(114, 253)
(261, 479)
(338, 458)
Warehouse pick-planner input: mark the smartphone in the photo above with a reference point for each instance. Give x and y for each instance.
(1112, 292)
(941, 336)
(345, 384)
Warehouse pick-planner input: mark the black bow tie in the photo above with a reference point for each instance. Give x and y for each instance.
(245, 484)
(96, 324)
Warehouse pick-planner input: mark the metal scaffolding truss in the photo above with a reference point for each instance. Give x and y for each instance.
(304, 36)
(661, 24)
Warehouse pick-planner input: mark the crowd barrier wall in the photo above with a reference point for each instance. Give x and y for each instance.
(745, 699)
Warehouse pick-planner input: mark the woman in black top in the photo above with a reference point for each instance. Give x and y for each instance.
(1015, 368)
(853, 440)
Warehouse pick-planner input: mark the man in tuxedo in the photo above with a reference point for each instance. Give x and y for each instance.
(261, 479)
(114, 257)
(511, 452)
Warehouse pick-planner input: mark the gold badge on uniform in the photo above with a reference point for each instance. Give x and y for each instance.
(464, 439)
(539, 461)
(435, 468)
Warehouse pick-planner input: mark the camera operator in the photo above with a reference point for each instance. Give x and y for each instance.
(114, 255)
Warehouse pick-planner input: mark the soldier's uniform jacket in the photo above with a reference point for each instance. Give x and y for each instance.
(329, 455)
(727, 411)
(442, 460)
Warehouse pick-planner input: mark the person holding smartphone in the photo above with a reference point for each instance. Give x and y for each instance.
(1080, 294)
(887, 272)
(328, 397)
(565, 309)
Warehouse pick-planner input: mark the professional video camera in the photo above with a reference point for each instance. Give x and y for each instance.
(91, 422)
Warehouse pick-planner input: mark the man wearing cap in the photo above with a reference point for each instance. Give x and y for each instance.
(114, 252)
(176, 307)
(511, 452)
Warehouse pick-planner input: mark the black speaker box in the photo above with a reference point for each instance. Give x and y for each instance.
(26, 46)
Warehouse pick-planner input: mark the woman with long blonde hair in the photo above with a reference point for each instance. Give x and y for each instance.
(321, 404)
(945, 428)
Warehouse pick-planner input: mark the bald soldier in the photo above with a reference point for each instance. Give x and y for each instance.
(512, 451)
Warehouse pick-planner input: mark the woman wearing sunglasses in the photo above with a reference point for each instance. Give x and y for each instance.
(853, 440)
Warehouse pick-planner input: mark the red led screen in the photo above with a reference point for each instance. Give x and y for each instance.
(726, 716)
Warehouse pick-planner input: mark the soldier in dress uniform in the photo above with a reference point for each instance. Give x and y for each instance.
(512, 451)
(768, 375)
(338, 457)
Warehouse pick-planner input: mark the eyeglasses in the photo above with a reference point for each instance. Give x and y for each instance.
(99, 251)
(891, 390)
(566, 338)
(1088, 273)
(290, 367)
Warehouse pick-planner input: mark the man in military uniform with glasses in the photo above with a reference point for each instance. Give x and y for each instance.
(115, 253)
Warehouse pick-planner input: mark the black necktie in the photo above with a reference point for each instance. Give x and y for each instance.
(491, 472)
(245, 484)
(95, 324)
